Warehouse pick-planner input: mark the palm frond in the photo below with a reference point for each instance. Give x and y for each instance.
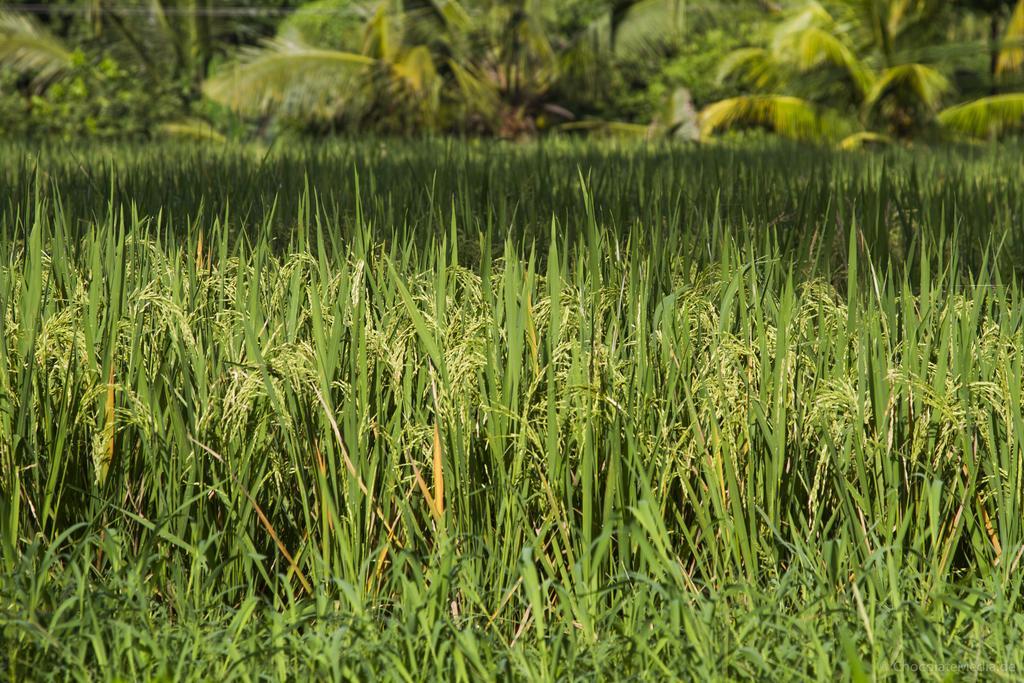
(985, 117)
(815, 46)
(790, 117)
(381, 39)
(812, 15)
(452, 13)
(28, 48)
(416, 69)
(926, 83)
(863, 139)
(753, 65)
(645, 23)
(267, 79)
(536, 44)
(477, 94)
(1012, 58)
(812, 38)
(193, 129)
(168, 36)
(344, 31)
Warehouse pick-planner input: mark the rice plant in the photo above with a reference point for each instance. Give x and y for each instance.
(468, 412)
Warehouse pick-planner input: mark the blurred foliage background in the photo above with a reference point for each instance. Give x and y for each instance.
(843, 72)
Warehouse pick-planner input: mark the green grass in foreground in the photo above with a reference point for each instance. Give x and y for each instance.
(679, 414)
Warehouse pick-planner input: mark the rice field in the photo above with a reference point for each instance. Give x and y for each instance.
(472, 411)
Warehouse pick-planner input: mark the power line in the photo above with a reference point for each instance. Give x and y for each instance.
(230, 11)
(237, 10)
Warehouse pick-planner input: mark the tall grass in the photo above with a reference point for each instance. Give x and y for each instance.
(459, 412)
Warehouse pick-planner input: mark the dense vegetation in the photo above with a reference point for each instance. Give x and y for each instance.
(469, 411)
(847, 72)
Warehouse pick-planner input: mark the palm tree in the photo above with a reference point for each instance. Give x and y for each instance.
(490, 66)
(388, 80)
(28, 48)
(989, 117)
(829, 69)
(172, 41)
(485, 66)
